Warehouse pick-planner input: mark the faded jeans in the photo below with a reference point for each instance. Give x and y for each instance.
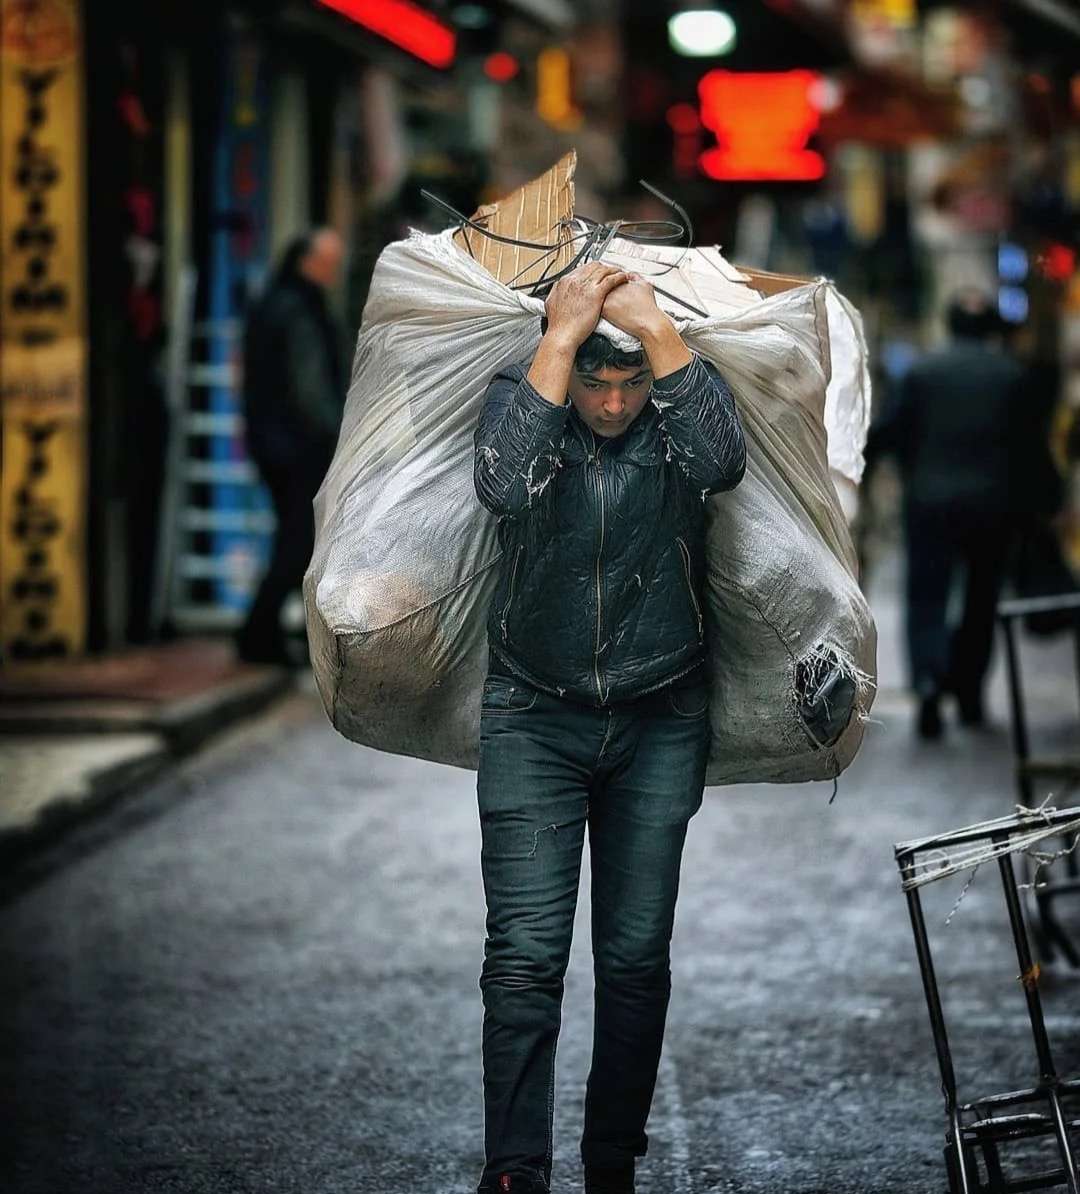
(634, 772)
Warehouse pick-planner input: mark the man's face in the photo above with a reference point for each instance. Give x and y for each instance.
(323, 262)
(609, 400)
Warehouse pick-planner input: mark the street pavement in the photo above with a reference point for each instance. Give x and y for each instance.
(260, 974)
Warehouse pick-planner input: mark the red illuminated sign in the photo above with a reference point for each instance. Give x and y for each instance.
(408, 26)
(762, 122)
(683, 119)
(686, 140)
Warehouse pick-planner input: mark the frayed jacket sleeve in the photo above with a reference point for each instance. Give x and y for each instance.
(516, 444)
(700, 426)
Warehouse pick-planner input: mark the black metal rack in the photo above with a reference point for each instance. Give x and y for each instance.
(977, 1129)
(1031, 771)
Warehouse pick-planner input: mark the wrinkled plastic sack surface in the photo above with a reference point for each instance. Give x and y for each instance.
(406, 558)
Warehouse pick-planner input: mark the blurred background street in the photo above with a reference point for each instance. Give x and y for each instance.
(239, 953)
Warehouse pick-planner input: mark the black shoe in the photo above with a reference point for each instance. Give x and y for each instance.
(607, 1180)
(273, 654)
(929, 722)
(971, 709)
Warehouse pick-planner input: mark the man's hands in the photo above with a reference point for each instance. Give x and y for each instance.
(632, 307)
(573, 307)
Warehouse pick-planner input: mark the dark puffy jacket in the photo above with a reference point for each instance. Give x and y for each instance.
(965, 429)
(599, 597)
(293, 377)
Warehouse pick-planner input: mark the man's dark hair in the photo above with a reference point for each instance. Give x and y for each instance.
(972, 315)
(295, 251)
(597, 352)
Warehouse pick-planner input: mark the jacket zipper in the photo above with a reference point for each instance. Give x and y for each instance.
(596, 657)
(685, 552)
(595, 456)
(510, 597)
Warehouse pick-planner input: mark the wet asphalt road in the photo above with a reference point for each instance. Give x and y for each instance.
(261, 975)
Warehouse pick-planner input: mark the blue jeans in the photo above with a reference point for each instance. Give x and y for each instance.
(635, 773)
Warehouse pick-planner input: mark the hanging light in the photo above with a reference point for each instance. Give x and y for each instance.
(701, 32)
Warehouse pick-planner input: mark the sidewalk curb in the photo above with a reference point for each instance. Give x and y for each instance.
(148, 742)
(188, 724)
(97, 788)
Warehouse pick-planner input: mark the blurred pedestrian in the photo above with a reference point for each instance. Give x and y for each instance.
(293, 398)
(956, 427)
(595, 707)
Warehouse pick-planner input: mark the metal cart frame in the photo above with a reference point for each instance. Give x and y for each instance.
(1049, 932)
(982, 1125)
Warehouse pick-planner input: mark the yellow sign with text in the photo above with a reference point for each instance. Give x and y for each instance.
(42, 332)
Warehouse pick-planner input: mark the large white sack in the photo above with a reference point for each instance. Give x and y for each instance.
(406, 558)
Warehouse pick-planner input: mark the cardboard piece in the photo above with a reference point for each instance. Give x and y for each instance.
(540, 211)
(769, 283)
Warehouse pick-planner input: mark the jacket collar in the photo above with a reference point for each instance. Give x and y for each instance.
(640, 442)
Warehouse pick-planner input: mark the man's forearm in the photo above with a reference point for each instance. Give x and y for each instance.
(516, 444)
(664, 346)
(701, 426)
(549, 373)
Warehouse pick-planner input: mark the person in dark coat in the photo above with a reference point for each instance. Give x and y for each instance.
(595, 707)
(293, 399)
(957, 427)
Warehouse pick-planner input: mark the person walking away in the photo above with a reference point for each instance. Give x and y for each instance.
(595, 706)
(293, 399)
(957, 428)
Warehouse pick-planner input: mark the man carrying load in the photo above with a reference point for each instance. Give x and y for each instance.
(595, 708)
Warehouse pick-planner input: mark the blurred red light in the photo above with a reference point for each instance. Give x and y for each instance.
(683, 118)
(408, 26)
(1057, 262)
(762, 121)
(501, 66)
